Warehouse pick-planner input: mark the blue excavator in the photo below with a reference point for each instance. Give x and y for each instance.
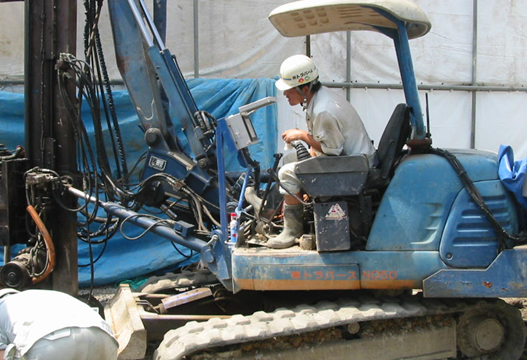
(410, 259)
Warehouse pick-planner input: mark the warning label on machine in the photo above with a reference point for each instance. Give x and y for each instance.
(335, 213)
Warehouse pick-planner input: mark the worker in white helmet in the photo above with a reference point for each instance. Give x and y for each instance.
(334, 128)
(51, 325)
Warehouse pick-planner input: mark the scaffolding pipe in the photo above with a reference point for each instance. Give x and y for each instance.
(357, 85)
(441, 87)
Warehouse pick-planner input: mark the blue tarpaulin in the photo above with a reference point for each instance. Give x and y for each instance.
(126, 259)
(512, 173)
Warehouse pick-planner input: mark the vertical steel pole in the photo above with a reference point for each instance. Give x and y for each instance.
(474, 72)
(411, 92)
(196, 39)
(348, 65)
(51, 29)
(160, 18)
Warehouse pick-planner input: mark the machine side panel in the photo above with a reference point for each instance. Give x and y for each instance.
(417, 203)
(469, 239)
(505, 277)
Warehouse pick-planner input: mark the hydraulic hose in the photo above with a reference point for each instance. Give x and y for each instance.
(50, 265)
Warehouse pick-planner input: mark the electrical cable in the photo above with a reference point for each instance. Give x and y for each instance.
(104, 173)
(94, 261)
(158, 223)
(85, 147)
(192, 253)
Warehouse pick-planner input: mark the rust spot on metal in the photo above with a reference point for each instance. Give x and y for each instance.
(122, 63)
(487, 284)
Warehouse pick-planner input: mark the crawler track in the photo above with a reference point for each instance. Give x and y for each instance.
(196, 337)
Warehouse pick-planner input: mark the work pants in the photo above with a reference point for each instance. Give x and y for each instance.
(74, 344)
(289, 180)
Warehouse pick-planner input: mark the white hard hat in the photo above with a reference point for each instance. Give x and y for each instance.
(295, 71)
(6, 291)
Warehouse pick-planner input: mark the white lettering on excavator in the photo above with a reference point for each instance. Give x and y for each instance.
(379, 275)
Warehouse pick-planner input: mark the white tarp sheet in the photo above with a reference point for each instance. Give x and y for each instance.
(237, 41)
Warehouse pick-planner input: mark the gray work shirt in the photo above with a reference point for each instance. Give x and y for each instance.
(335, 123)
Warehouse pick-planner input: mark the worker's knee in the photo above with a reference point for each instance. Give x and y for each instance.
(288, 180)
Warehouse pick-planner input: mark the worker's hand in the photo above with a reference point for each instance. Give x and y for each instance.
(293, 134)
(312, 152)
(2, 354)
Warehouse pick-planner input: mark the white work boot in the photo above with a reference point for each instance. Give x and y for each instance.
(293, 228)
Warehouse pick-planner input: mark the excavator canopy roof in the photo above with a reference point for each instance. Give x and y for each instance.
(308, 17)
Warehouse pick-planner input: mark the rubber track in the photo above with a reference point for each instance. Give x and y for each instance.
(215, 332)
(184, 279)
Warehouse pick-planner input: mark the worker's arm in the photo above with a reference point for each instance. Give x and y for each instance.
(297, 134)
(2, 354)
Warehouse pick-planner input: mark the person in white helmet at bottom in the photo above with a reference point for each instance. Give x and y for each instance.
(52, 325)
(334, 128)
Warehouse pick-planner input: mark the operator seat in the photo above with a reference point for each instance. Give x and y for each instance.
(351, 174)
(390, 147)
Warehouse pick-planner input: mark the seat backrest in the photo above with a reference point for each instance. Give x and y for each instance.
(391, 144)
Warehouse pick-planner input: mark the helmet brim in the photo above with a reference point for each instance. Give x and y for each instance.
(282, 85)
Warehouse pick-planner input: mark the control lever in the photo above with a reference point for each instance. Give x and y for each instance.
(301, 151)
